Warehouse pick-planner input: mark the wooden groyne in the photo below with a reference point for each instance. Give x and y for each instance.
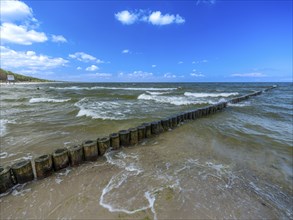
(45, 165)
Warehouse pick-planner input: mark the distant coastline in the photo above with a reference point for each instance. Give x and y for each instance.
(18, 78)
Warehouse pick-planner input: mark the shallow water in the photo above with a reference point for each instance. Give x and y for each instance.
(234, 164)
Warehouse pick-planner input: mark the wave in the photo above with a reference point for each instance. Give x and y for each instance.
(111, 110)
(174, 100)
(214, 95)
(3, 126)
(113, 88)
(38, 100)
(157, 93)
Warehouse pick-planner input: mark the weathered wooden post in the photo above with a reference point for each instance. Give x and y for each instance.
(5, 179)
(104, 145)
(23, 171)
(44, 166)
(114, 141)
(148, 130)
(90, 150)
(60, 159)
(124, 136)
(141, 132)
(76, 156)
(133, 133)
(155, 127)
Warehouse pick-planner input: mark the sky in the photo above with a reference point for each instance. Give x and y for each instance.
(148, 41)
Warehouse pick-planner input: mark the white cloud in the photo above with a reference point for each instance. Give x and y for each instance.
(19, 25)
(196, 75)
(11, 33)
(58, 39)
(205, 2)
(155, 17)
(14, 11)
(92, 68)
(154, 65)
(126, 17)
(169, 75)
(180, 62)
(200, 61)
(79, 68)
(252, 75)
(84, 57)
(139, 74)
(125, 51)
(28, 61)
(102, 75)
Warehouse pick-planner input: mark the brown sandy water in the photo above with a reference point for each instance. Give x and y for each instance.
(181, 174)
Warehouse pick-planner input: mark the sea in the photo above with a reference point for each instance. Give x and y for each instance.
(235, 164)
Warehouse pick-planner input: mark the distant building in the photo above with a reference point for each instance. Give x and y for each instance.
(10, 79)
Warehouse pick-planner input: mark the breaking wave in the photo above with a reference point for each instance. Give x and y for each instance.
(205, 95)
(38, 100)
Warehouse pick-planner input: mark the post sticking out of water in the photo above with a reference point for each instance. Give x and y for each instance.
(60, 159)
(124, 138)
(5, 179)
(90, 150)
(133, 136)
(44, 166)
(114, 141)
(103, 145)
(23, 171)
(76, 156)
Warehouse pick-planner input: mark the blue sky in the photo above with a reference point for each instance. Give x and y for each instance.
(148, 41)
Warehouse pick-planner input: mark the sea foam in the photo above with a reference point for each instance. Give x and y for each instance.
(205, 95)
(38, 100)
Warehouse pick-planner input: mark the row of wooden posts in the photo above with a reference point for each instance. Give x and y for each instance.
(44, 166)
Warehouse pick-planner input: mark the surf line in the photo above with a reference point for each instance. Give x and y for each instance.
(45, 165)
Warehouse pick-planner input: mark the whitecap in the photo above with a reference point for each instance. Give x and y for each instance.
(213, 95)
(106, 110)
(157, 93)
(38, 100)
(113, 88)
(174, 100)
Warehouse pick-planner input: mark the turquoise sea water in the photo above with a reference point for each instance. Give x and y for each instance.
(247, 148)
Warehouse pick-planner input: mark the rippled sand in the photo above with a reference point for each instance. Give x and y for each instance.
(181, 174)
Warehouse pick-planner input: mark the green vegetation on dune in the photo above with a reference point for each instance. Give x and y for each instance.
(19, 77)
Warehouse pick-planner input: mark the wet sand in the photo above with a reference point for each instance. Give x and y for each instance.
(177, 175)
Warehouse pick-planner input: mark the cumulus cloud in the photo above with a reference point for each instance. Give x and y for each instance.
(78, 68)
(19, 26)
(154, 65)
(14, 11)
(126, 17)
(169, 75)
(196, 75)
(140, 74)
(252, 75)
(58, 39)
(28, 61)
(103, 75)
(180, 62)
(11, 33)
(125, 51)
(92, 68)
(137, 75)
(154, 18)
(84, 57)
